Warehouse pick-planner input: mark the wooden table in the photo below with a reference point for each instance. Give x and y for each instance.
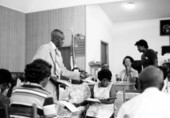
(122, 86)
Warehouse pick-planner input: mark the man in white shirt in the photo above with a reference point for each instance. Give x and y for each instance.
(50, 53)
(151, 103)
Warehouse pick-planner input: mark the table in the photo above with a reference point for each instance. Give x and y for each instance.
(123, 86)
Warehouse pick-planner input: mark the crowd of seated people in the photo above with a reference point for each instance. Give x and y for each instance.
(32, 91)
(37, 74)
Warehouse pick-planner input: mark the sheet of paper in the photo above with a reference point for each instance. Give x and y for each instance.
(69, 105)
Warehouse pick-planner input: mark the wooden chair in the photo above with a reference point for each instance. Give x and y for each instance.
(4, 111)
(23, 111)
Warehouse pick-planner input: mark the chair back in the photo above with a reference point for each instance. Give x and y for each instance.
(19, 110)
(4, 111)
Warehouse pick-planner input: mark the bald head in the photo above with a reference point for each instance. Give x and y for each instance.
(151, 76)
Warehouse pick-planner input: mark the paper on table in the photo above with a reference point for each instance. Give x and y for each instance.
(69, 105)
(93, 100)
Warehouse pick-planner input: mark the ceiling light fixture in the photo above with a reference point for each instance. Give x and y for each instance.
(129, 5)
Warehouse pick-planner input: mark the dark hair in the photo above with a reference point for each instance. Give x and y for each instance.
(56, 30)
(36, 71)
(142, 42)
(128, 57)
(5, 76)
(104, 73)
(164, 70)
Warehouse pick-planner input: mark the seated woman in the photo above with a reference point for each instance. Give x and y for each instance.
(105, 92)
(5, 78)
(128, 74)
(76, 94)
(37, 75)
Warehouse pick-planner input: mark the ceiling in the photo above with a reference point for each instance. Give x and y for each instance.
(27, 6)
(144, 9)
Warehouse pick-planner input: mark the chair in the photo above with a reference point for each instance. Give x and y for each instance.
(20, 110)
(4, 111)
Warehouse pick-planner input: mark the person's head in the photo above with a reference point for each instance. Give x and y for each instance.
(38, 72)
(57, 37)
(5, 79)
(104, 76)
(164, 70)
(151, 76)
(105, 66)
(127, 61)
(142, 45)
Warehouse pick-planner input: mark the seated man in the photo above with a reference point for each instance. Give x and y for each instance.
(151, 103)
(32, 91)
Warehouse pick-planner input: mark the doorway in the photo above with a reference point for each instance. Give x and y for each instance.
(104, 53)
(65, 52)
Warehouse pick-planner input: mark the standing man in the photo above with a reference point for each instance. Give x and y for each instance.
(149, 56)
(50, 53)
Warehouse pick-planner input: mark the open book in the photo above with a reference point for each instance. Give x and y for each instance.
(93, 100)
(69, 106)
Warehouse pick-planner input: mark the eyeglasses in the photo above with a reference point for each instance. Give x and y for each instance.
(60, 38)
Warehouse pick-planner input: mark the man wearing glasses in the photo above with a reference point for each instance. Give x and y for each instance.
(50, 53)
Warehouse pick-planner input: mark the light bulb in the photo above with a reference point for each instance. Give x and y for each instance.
(129, 5)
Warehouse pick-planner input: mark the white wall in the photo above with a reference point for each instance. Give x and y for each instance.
(98, 28)
(120, 36)
(126, 34)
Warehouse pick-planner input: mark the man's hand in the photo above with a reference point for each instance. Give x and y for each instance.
(84, 74)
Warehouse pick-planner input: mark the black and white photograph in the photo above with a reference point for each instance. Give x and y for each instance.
(84, 58)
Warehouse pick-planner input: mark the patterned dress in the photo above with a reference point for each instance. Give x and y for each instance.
(77, 93)
(99, 110)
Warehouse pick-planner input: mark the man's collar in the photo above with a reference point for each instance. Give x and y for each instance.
(53, 45)
(151, 89)
(32, 84)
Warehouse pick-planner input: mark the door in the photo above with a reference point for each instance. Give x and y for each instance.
(65, 52)
(104, 53)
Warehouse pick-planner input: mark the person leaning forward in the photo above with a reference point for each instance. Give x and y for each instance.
(149, 56)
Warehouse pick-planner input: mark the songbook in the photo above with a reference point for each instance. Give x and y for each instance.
(68, 105)
(93, 100)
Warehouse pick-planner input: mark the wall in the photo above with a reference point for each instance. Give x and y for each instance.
(120, 36)
(40, 24)
(127, 33)
(12, 40)
(98, 28)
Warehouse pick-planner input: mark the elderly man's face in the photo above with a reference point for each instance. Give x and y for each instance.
(58, 39)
